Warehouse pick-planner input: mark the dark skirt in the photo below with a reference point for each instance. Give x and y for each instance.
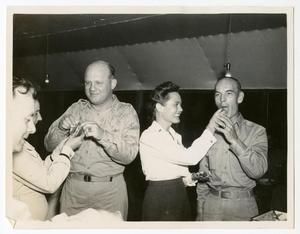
(166, 200)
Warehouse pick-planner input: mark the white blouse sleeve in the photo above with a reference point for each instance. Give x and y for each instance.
(157, 145)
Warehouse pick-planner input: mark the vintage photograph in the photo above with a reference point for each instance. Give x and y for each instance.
(153, 117)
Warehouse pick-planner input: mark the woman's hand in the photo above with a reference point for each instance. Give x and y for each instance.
(213, 121)
(188, 180)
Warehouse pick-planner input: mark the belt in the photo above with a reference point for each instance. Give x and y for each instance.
(90, 178)
(165, 182)
(232, 194)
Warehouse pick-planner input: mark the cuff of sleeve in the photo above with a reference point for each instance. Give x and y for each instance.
(62, 130)
(210, 137)
(66, 150)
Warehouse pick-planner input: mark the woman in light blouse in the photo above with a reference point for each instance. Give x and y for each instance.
(165, 160)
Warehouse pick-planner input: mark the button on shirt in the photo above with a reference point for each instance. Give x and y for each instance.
(232, 171)
(118, 146)
(163, 156)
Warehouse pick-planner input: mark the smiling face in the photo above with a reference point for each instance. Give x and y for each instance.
(169, 112)
(228, 96)
(22, 119)
(98, 83)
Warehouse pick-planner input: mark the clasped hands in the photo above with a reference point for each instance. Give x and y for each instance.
(221, 123)
(78, 131)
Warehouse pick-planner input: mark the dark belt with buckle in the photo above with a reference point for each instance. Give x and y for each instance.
(90, 178)
(232, 194)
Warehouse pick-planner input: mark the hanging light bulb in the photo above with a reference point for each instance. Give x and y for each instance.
(46, 81)
(227, 64)
(227, 70)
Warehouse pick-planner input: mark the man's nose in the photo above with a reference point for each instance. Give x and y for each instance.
(180, 108)
(31, 128)
(223, 98)
(92, 86)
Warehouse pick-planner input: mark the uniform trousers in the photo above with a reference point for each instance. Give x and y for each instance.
(166, 200)
(216, 208)
(78, 195)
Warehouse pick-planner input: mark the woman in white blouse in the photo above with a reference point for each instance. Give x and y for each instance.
(165, 160)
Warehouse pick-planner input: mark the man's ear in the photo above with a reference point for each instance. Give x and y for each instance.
(241, 97)
(113, 83)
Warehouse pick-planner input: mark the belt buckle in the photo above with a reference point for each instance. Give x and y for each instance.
(87, 178)
(225, 194)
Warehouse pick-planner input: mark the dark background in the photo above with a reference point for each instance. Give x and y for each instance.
(266, 107)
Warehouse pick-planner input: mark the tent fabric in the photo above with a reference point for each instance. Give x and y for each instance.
(258, 58)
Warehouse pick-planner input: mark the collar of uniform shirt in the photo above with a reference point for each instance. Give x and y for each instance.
(171, 131)
(113, 105)
(237, 120)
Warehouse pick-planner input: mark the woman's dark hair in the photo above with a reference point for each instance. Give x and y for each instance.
(160, 95)
(26, 84)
